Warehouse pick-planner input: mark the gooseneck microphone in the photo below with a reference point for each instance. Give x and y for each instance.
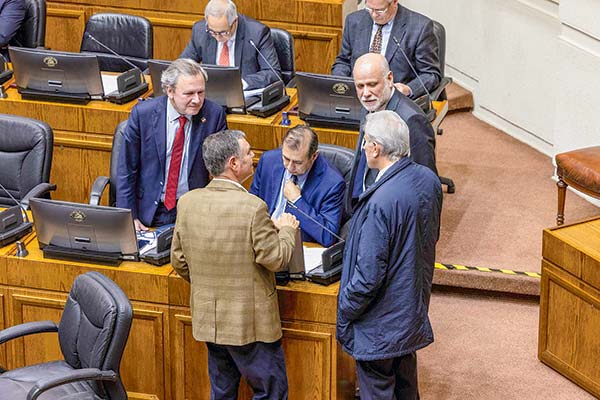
(93, 39)
(314, 220)
(267, 61)
(412, 67)
(12, 225)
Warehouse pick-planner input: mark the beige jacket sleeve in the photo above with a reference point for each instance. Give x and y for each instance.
(273, 250)
(178, 260)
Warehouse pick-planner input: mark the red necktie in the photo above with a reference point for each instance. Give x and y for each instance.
(224, 57)
(175, 165)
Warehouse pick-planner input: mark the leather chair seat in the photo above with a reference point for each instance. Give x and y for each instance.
(15, 384)
(579, 169)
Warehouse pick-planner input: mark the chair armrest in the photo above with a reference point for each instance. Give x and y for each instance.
(84, 374)
(37, 191)
(97, 189)
(27, 328)
(291, 83)
(445, 81)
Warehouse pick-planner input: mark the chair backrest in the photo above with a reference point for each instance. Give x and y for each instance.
(94, 329)
(114, 161)
(440, 34)
(25, 155)
(284, 47)
(32, 32)
(128, 35)
(339, 157)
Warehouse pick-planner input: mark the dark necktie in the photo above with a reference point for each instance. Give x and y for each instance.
(175, 165)
(294, 179)
(377, 40)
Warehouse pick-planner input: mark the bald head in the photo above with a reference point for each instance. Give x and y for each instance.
(373, 80)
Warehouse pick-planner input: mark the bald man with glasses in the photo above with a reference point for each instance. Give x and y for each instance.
(225, 38)
(387, 28)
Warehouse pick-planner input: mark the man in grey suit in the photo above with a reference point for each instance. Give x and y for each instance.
(385, 27)
(375, 88)
(227, 38)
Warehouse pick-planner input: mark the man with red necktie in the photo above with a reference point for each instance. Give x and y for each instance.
(161, 155)
(225, 38)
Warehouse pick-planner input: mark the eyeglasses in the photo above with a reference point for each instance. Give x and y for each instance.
(380, 11)
(228, 32)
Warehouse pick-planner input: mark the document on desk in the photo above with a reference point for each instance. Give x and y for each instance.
(109, 82)
(313, 257)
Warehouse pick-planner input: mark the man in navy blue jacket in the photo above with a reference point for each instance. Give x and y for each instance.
(12, 14)
(297, 174)
(388, 264)
(161, 155)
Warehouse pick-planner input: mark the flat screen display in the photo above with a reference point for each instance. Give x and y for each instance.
(86, 227)
(56, 72)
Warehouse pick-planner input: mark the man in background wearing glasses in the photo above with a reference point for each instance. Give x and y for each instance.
(385, 27)
(226, 38)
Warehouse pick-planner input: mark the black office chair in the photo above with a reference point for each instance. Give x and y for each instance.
(284, 47)
(342, 159)
(32, 32)
(25, 159)
(339, 157)
(130, 36)
(102, 181)
(92, 332)
(439, 93)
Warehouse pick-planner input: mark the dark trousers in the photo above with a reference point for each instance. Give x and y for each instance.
(394, 378)
(162, 216)
(261, 364)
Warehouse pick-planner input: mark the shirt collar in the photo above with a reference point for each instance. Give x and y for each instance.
(172, 114)
(230, 181)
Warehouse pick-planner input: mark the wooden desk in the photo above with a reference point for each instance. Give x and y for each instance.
(569, 339)
(161, 357)
(316, 25)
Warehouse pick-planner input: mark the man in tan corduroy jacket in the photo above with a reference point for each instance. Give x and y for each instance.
(226, 245)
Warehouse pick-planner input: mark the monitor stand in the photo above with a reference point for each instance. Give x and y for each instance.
(348, 124)
(95, 257)
(42, 95)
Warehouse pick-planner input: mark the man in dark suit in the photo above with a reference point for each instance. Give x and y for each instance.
(297, 174)
(387, 28)
(12, 14)
(375, 88)
(161, 155)
(225, 38)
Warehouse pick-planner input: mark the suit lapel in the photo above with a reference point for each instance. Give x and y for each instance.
(364, 34)
(239, 41)
(196, 134)
(314, 177)
(159, 125)
(211, 50)
(398, 32)
(276, 179)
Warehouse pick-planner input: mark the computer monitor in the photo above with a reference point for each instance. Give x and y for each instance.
(56, 75)
(224, 85)
(84, 232)
(327, 100)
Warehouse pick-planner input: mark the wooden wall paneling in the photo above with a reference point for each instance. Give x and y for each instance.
(189, 376)
(170, 36)
(26, 305)
(310, 375)
(64, 28)
(144, 365)
(3, 325)
(569, 322)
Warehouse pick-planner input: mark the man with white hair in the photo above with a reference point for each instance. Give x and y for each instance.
(388, 264)
(228, 38)
(374, 83)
